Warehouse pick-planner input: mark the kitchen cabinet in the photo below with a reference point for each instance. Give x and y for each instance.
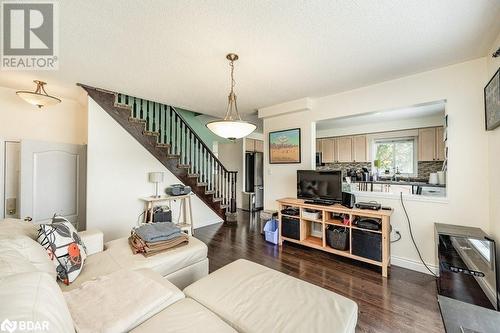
(328, 150)
(259, 146)
(254, 145)
(344, 149)
(359, 148)
(318, 145)
(430, 144)
(249, 145)
(440, 146)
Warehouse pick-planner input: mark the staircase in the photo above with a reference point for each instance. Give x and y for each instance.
(165, 134)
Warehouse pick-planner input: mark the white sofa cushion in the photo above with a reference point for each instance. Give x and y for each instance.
(28, 249)
(254, 298)
(184, 316)
(12, 262)
(34, 297)
(18, 227)
(120, 301)
(164, 263)
(117, 255)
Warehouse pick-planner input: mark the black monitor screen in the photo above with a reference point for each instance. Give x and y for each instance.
(325, 185)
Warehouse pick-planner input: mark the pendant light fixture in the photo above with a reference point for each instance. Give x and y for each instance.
(231, 127)
(39, 97)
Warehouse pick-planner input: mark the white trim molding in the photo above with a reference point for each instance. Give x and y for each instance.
(303, 104)
(413, 265)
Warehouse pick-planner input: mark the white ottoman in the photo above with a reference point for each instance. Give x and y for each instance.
(254, 298)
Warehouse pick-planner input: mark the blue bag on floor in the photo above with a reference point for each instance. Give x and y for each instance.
(271, 231)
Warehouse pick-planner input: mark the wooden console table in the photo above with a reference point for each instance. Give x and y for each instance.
(327, 219)
(186, 224)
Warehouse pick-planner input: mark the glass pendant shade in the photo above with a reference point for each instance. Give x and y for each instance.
(39, 97)
(231, 127)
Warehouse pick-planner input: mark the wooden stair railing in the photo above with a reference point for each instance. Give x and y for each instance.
(167, 136)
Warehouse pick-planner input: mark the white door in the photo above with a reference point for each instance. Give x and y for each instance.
(52, 181)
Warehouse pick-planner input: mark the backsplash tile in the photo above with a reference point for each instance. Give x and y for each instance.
(345, 166)
(424, 167)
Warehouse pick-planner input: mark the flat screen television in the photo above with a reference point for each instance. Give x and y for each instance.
(320, 186)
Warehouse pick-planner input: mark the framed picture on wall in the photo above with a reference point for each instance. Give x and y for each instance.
(492, 102)
(284, 146)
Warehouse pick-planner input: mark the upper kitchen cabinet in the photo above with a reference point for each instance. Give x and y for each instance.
(259, 146)
(328, 150)
(431, 144)
(318, 145)
(440, 145)
(359, 148)
(344, 149)
(254, 145)
(249, 145)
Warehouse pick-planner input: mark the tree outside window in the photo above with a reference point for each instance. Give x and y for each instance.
(396, 154)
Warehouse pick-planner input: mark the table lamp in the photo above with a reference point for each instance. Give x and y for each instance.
(156, 178)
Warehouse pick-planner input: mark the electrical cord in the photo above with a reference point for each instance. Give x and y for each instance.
(412, 238)
(399, 237)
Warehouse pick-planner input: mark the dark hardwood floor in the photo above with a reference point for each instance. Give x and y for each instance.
(404, 302)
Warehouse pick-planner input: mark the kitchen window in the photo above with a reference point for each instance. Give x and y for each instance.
(396, 155)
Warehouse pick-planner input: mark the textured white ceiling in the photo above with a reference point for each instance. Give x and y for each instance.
(412, 112)
(174, 51)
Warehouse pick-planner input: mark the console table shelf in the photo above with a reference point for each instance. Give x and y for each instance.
(307, 239)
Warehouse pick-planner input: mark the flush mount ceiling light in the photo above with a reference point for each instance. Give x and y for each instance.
(231, 127)
(39, 97)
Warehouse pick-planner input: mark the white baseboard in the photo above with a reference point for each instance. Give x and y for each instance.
(200, 224)
(413, 265)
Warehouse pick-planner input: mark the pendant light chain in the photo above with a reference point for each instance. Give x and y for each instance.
(232, 98)
(231, 127)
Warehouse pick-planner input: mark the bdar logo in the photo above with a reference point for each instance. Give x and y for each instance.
(8, 326)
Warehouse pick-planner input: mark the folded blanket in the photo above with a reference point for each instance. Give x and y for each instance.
(116, 302)
(160, 231)
(138, 245)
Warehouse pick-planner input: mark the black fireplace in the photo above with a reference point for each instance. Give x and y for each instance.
(467, 282)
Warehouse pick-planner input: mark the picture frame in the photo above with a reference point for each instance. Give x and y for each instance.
(492, 102)
(285, 146)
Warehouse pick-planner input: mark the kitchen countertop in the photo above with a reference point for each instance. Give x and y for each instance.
(394, 182)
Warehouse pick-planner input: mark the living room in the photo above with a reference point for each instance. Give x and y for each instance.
(133, 119)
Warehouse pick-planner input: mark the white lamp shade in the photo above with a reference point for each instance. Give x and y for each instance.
(156, 177)
(231, 129)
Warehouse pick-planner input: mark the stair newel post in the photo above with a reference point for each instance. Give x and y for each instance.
(148, 123)
(160, 128)
(204, 161)
(134, 108)
(211, 173)
(170, 133)
(154, 116)
(233, 192)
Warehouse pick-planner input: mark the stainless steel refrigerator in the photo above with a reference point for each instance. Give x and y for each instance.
(254, 181)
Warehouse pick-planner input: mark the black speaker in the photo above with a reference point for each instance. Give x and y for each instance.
(348, 199)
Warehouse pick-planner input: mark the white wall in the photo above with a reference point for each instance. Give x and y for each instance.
(468, 201)
(385, 126)
(232, 156)
(117, 176)
(280, 180)
(65, 122)
(494, 158)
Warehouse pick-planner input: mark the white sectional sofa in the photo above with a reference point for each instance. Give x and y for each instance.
(240, 297)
